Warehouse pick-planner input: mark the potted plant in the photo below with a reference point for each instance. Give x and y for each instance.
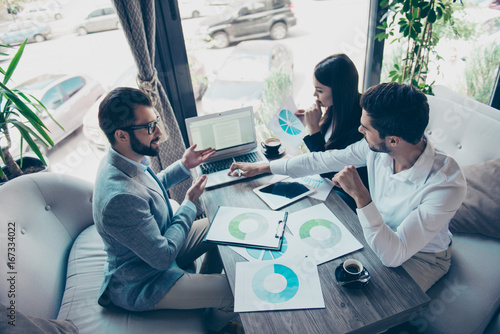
(411, 22)
(19, 112)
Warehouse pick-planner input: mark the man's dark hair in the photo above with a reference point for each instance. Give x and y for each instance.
(117, 109)
(397, 110)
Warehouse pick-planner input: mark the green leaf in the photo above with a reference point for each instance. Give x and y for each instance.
(432, 16)
(381, 36)
(13, 63)
(26, 136)
(406, 6)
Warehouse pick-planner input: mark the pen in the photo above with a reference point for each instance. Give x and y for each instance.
(238, 170)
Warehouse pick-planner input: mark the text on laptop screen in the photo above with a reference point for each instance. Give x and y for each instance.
(223, 132)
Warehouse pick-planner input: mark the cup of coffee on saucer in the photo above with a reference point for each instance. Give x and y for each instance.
(352, 274)
(272, 147)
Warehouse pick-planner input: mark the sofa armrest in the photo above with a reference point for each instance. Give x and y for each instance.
(44, 212)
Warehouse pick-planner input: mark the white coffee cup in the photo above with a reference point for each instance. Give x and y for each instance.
(353, 267)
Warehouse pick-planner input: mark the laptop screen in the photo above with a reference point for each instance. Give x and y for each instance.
(222, 130)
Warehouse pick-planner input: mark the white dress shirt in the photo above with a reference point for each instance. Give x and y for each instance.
(410, 210)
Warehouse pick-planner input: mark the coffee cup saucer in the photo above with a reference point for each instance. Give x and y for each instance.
(281, 151)
(342, 276)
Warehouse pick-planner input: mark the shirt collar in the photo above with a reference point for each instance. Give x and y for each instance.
(143, 165)
(419, 172)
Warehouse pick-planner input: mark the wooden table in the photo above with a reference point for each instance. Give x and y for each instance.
(388, 300)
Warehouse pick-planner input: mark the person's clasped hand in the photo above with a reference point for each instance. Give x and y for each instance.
(192, 158)
(349, 180)
(311, 117)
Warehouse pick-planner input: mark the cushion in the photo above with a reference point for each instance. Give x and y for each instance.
(465, 299)
(480, 211)
(84, 279)
(27, 325)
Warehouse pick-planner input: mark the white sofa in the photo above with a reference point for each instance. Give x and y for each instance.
(59, 260)
(467, 299)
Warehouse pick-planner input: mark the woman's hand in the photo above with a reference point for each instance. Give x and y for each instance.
(310, 117)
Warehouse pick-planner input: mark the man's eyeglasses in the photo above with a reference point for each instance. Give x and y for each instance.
(151, 126)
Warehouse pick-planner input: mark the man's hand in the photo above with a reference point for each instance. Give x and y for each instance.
(349, 180)
(192, 158)
(197, 188)
(311, 117)
(248, 169)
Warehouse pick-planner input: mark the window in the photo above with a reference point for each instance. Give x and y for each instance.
(304, 32)
(53, 98)
(73, 85)
(109, 11)
(96, 13)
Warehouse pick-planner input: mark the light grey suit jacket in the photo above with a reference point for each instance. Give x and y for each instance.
(140, 237)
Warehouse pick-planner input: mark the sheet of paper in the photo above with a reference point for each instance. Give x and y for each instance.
(246, 226)
(321, 233)
(320, 184)
(286, 126)
(290, 248)
(277, 285)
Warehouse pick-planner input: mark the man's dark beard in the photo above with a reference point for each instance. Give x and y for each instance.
(142, 149)
(381, 148)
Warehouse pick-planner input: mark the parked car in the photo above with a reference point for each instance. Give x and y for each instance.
(19, 31)
(91, 129)
(39, 12)
(100, 19)
(248, 20)
(193, 8)
(67, 98)
(241, 80)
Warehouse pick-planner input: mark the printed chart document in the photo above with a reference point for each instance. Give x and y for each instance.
(322, 235)
(277, 285)
(257, 228)
(286, 126)
(291, 247)
(321, 185)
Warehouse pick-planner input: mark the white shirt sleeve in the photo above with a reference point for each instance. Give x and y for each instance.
(416, 230)
(322, 162)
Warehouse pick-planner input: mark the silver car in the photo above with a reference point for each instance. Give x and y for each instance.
(100, 19)
(66, 97)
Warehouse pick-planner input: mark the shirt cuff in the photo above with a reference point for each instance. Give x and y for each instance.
(278, 166)
(189, 204)
(183, 167)
(369, 216)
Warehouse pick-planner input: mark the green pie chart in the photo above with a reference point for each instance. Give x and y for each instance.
(320, 233)
(248, 226)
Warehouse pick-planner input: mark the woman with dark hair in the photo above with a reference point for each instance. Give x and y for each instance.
(335, 89)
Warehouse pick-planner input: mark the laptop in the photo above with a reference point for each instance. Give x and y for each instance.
(232, 134)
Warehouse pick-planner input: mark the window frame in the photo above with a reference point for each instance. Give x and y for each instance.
(173, 68)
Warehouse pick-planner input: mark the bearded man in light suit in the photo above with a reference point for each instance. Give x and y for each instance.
(148, 245)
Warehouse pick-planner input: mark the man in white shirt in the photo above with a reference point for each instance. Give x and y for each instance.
(415, 189)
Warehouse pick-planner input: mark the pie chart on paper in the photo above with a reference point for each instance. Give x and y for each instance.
(264, 255)
(289, 123)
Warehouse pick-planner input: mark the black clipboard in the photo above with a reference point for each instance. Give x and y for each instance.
(225, 228)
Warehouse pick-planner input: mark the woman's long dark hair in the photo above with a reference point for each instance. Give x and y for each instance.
(339, 73)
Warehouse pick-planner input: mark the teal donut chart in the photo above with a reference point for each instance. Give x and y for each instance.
(292, 284)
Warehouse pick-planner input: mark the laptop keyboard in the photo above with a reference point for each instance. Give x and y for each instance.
(216, 166)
